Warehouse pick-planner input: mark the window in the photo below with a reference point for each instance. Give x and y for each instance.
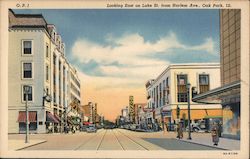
(27, 70)
(182, 97)
(181, 88)
(47, 50)
(204, 79)
(204, 83)
(30, 96)
(182, 79)
(54, 97)
(47, 72)
(27, 47)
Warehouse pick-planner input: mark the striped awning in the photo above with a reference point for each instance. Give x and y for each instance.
(57, 117)
(22, 117)
(51, 118)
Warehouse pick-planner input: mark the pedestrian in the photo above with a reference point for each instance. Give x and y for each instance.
(180, 130)
(215, 134)
(220, 128)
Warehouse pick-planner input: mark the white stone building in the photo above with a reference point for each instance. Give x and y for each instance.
(37, 59)
(168, 91)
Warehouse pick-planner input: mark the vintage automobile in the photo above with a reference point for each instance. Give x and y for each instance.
(91, 128)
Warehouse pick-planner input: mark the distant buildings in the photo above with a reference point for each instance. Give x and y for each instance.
(230, 55)
(139, 111)
(37, 59)
(90, 113)
(168, 92)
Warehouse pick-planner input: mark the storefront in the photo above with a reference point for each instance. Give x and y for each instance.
(32, 121)
(229, 97)
(51, 122)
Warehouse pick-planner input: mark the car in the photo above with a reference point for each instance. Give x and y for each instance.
(83, 128)
(91, 129)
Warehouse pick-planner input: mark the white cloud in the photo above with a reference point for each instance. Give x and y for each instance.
(131, 51)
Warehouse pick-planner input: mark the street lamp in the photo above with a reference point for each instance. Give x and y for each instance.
(188, 98)
(27, 91)
(46, 98)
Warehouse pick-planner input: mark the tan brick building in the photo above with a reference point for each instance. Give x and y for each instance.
(229, 93)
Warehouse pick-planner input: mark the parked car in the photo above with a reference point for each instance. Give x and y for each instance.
(83, 128)
(91, 128)
(197, 127)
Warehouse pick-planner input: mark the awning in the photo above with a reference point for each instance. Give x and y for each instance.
(86, 123)
(22, 117)
(51, 118)
(210, 116)
(216, 96)
(57, 117)
(197, 113)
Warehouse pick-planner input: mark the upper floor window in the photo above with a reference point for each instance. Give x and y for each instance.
(47, 50)
(54, 59)
(29, 93)
(27, 70)
(27, 47)
(181, 88)
(47, 72)
(182, 79)
(204, 83)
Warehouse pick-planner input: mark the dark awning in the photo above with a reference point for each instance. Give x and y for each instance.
(22, 117)
(216, 96)
(51, 118)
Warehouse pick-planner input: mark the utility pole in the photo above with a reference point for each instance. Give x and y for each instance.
(27, 90)
(188, 98)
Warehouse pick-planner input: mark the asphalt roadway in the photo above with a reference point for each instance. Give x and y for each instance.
(111, 139)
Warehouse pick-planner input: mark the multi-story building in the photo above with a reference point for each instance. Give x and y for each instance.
(125, 114)
(137, 107)
(229, 92)
(37, 59)
(90, 111)
(142, 116)
(169, 91)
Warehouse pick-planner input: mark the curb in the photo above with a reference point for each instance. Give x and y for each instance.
(31, 145)
(200, 144)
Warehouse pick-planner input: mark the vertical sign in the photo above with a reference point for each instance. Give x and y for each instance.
(131, 108)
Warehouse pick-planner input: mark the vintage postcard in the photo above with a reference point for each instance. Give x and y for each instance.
(124, 79)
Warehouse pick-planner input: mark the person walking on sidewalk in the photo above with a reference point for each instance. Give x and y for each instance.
(215, 134)
(179, 130)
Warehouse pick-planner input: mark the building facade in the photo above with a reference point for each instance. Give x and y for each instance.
(137, 108)
(90, 111)
(37, 59)
(230, 55)
(168, 92)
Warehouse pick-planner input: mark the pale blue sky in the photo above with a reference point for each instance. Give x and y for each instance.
(191, 28)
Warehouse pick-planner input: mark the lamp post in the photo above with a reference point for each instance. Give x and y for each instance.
(27, 90)
(188, 100)
(46, 98)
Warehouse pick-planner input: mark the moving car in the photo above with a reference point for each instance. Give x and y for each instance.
(91, 128)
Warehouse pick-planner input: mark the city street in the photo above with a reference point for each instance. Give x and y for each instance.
(111, 139)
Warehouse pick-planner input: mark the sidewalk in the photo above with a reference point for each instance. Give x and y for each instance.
(20, 144)
(206, 139)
